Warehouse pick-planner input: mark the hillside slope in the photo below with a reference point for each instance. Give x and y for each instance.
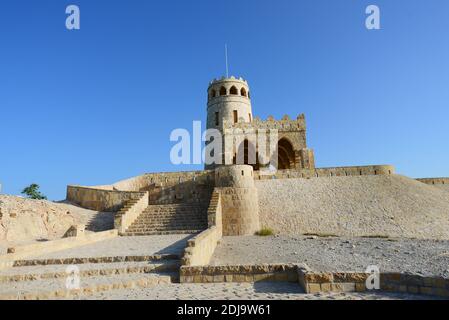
(393, 206)
(24, 220)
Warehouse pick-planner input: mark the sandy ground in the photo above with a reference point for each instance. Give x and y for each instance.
(242, 291)
(424, 257)
(394, 206)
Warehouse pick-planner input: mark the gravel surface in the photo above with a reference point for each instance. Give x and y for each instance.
(126, 246)
(242, 291)
(425, 257)
(394, 206)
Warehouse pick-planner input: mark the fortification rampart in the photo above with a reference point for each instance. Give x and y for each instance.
(434, 181)
(327, 172)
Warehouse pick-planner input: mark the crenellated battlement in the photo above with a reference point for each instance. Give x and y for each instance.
(284, 124)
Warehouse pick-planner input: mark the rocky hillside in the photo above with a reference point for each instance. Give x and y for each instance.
(24, 220)
(393, 206)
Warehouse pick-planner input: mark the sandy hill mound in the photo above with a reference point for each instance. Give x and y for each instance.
(24, 220)
(394, 206)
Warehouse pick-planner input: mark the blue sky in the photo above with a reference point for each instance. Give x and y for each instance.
(97, 105)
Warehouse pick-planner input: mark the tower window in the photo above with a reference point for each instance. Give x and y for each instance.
(212, 94)
(243, 92)
(236, 116)
(223, 91)
(234, 91)
(217, 120)
(249, 117)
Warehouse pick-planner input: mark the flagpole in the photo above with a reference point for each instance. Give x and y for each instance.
(226, 56)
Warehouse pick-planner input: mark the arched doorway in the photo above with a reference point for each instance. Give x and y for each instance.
(249, 152)
(286, 155)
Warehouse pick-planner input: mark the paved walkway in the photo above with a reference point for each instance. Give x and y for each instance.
(126, 246)
(240, 291)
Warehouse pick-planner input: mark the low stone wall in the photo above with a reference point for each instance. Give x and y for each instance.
(42, 248)
(164, 179)
(100, 199)
(434, 181)
(200, 249)
(328, 172)
(440, 183)
(240, 273)
(130, 212)
(313, 282)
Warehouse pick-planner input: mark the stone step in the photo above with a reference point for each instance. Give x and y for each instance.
(173, 216)
(171, 222)
(159, 233)
(174, 213)
(33, 273)
(57, 288)
(149, 229)
(86, 260)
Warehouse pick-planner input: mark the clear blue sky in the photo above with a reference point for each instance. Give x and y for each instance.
(97, 105)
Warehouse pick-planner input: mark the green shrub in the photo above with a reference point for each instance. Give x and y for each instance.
(265, 232)
(32, 192)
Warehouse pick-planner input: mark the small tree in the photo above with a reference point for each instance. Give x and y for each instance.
(33, 192)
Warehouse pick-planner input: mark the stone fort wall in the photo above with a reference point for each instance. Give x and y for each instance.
(440, 183)
(189, 186)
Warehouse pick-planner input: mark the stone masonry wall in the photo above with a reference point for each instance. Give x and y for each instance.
(200, 249)
(328, 172)
(99, 199)
(239, 200)
(440, 183)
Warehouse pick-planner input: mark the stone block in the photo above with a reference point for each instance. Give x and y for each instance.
(326, 287)
(281, 276)
(426, 290)
(318, 277)
(239, 278)
(229, 278)
(219, 278)
(313, 288)
(343, 287)
(413, 289)
(360, 287)
(439, 283)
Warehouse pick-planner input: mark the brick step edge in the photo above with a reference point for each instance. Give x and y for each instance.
(90, 290)
(155, 269)
(70, 261)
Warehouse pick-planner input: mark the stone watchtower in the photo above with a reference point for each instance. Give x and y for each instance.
(228, 103)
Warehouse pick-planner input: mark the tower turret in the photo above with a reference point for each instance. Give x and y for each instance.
(228, 99)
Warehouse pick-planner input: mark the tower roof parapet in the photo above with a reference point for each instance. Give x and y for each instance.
(230, 79)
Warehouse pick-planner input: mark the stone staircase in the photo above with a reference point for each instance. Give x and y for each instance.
(51, 278)
(182, 218)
